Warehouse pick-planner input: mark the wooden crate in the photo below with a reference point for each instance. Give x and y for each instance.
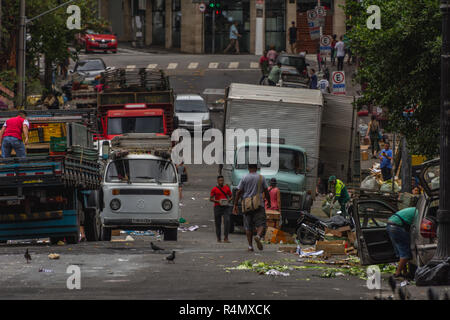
(332, 247)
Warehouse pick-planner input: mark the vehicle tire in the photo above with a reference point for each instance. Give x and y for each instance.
(105, 234)
(170, 234)
(3, 241)
(93, 225)
(115, 51)
(305, 237)
(73, 239)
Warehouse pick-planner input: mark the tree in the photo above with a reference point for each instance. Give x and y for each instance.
(400, 64)
(49, 35)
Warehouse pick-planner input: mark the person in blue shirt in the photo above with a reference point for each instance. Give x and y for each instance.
(234, 35)
(313, 80)
(386, 162)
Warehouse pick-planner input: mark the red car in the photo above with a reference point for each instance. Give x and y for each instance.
(94, 41)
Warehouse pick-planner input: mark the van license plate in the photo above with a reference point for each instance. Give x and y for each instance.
(141, 220)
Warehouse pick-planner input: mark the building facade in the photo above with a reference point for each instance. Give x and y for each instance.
(183, 25)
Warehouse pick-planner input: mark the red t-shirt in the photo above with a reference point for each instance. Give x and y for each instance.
(217, 194)
(262, 59)
(14, 127)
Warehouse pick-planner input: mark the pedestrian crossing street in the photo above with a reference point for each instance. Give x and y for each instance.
(198, 66)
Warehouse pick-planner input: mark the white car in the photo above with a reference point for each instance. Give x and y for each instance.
(191, 110)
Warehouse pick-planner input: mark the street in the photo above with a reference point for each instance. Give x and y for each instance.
(203, 268)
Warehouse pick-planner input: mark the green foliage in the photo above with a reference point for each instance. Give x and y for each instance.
(400, 63)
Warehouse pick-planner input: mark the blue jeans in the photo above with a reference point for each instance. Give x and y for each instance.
(401, 241)
(10, 143)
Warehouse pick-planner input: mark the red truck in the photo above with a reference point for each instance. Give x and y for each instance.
(147, 106)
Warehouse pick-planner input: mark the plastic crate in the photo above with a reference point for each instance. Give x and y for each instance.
(58, 144)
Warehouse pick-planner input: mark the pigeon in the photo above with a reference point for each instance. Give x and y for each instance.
(171, 258)
(155, 247)
(432, 295)
(27, 256)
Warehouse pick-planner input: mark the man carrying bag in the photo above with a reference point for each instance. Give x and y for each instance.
(250, 189)
(221, 196)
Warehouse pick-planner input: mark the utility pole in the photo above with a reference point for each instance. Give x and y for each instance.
(21, 56)
(428, 276)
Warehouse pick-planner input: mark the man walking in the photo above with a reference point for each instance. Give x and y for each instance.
(250, 188)
(264, 65)
(221, 196)
(324, 85)
(234, 38)
(386, 162)
(340, 54)
(275, 75)
(293, 37)
(340, 193)
(11, 135)
(313, 80)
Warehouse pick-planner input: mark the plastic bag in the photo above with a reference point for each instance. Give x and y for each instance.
(370, 183)
(363, 129)
(329, 208)
(387, 187)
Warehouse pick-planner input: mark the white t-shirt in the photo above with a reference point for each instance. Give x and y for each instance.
(340, 49)
(323, 85)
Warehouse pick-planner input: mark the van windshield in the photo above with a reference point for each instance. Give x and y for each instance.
(141, 171)
(289, 160)
(135, 125)
(190, 106)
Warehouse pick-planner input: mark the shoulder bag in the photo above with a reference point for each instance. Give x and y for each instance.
(253, 203)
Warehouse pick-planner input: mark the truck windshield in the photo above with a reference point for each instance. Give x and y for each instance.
(190, 106)
(135, 125)
(289, 160)
(141, 171)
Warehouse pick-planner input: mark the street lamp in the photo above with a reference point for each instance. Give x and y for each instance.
(428, 275)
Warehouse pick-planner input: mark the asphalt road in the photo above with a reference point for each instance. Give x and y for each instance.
(131, 270)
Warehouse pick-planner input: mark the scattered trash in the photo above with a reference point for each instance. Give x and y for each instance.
(193, 228)
(273, 272)
(204, 226)
(61, 243)
(181, 205)
(404, 283)
(53, 256)
(129, 238)
(122, 260)
(45, 270)
(193, 198)
(310, 254)
(139, 233)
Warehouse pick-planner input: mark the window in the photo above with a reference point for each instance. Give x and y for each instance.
(135, 125)
(373, 215)
(158, 22)
(190, 106)
(276, 24)
(90, 65)
(141, 171)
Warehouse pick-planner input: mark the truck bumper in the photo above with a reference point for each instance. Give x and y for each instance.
(129, 224)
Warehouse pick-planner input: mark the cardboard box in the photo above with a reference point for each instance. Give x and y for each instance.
(339, 232)
(276, 236)
(288, 249)
(115, 233)
(272, 215)
(331, 247)
(366, 141)
(273, 224)
(364, 156)
(351, 237)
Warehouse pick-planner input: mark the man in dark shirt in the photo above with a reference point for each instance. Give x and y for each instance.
(293, 37)
(313, 80)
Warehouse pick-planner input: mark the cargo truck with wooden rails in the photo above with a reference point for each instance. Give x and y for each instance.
(53, 191)
(134, 101)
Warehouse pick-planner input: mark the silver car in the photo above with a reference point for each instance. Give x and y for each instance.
(191, 110)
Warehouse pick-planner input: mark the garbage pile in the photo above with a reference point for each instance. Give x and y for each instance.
(374, 182)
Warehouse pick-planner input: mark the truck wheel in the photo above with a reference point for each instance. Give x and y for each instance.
(105, 234)
(170, 234)
(93, 225)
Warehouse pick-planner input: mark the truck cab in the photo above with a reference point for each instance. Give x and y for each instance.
(134, 118)
(140, 188)
(291, 177)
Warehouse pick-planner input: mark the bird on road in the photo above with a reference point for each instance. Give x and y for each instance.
(27, 256)
(171, 258)
(155, 247)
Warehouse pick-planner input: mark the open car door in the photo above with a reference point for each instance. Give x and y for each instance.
(374, 244)
(429, 174)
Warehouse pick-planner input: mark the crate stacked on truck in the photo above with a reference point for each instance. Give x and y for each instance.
(45, 194)
(135, 101)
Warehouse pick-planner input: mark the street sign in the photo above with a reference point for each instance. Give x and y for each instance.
(202, 7)
(314, 24)
(338, 82)
(325, 44)
(321, 12)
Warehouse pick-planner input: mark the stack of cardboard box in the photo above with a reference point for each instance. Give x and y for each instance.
(273, 218)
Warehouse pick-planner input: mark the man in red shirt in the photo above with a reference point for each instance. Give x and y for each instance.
(221, 196)
(11, 135)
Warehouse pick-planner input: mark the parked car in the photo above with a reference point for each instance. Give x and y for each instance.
(90, 68)
(296, 61)
(371, 216)
(98, 41)
(191, 109)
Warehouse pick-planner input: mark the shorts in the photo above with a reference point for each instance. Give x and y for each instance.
(255, 219)
(401, 240)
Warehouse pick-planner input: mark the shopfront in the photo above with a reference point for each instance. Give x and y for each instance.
(276, 24)
(176, 23)
(158, 22)
(222, 18)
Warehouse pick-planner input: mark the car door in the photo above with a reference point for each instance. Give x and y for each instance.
(374, 244)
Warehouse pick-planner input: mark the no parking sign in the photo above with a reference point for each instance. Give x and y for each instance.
(338, 81)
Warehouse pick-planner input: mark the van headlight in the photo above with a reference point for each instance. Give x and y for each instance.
(167, 205)
(115, 204)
